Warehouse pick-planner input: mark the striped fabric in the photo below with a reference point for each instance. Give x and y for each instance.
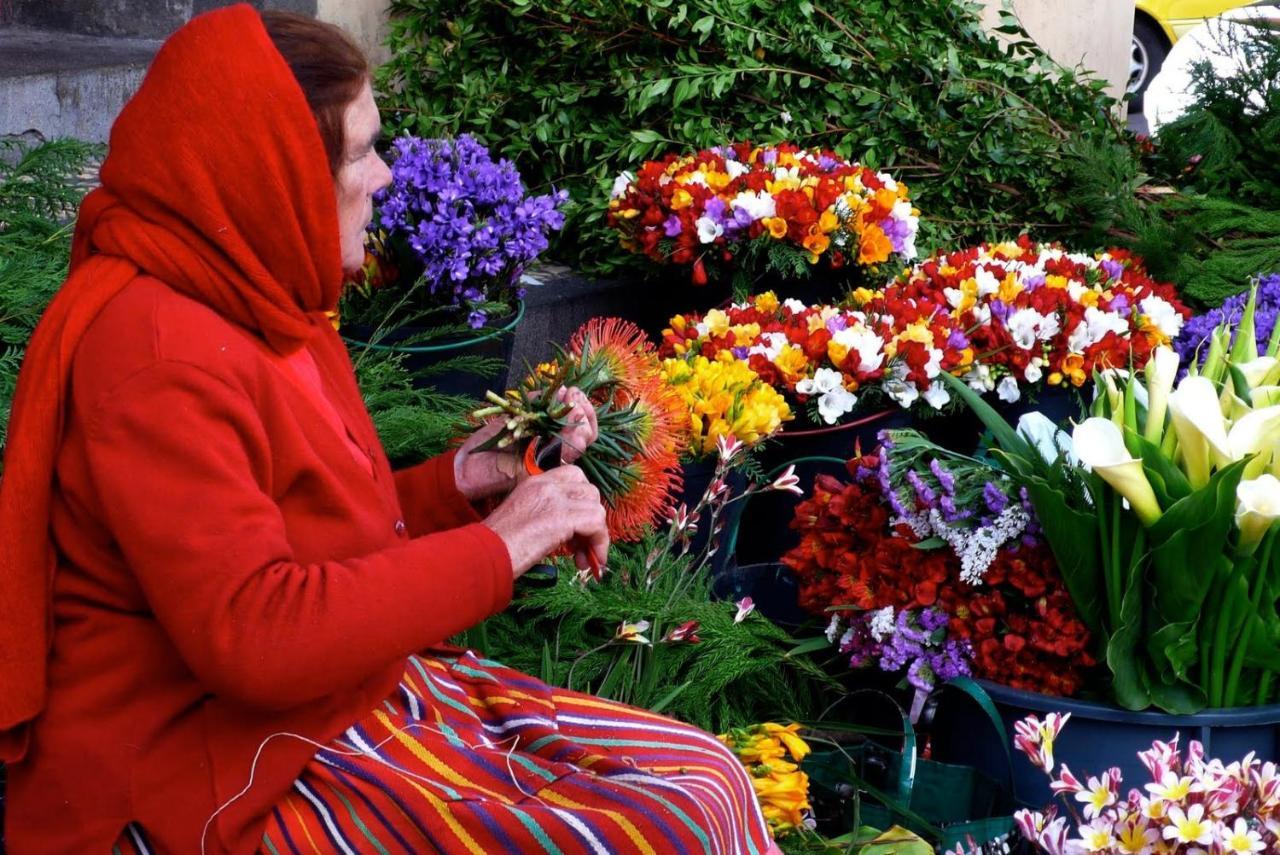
(470, 756)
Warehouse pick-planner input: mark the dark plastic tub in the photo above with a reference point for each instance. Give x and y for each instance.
(1097, 737)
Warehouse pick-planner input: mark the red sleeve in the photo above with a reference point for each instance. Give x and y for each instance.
(177, 457)
(430, 498)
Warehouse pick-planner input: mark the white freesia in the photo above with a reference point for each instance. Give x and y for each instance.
(736, 169)
(1007, 390)
(1049, 439)
(1161, 313)
(1257, 509)
(757, 205)
(620, 184)
(1161, 371)
(1100, 446)
(1095, 325)
(987, 282)
(708, 229)
(794, 305)
(1202, 432)
(835, 404)
(937, 395)
(823, 380)
(1033, 372)
(865, 343)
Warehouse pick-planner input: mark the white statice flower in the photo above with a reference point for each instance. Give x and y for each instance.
(937, 395)
(865, 343)
(977, 547)
(736, 169)
(1033, 372)
(757, 205)
(1007, 389)
(1095, 325)
(833, 628)
(881, 625)
(794, 305)
(846, 639)
(708, 229)
(620, 185)
(1162, 314)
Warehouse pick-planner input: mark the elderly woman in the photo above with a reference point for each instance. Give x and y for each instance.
(222, 615)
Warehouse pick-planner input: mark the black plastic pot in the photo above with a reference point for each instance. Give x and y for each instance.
(771, 586)
(424, 361)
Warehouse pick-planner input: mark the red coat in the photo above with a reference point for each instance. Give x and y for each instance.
(227, 571)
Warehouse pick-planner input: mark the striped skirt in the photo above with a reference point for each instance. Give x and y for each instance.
(471, 756)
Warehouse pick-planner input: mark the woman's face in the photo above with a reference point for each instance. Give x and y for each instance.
(361, 174)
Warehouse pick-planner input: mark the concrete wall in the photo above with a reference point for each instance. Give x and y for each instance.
(365, 20)
(1094, 34)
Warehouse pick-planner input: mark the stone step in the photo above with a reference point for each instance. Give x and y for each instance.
(59, 84)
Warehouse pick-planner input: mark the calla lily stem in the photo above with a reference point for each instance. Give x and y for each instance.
(1260, 579)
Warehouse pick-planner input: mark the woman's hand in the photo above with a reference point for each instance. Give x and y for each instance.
(547, 511)
(481, 474)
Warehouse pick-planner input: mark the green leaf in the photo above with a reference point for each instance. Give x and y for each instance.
(646, 136)
(929, 543)
(665, 700)
(1122, 648)
(897, 841)
(1173, 483)
(1004, 433)
(810, 645)
(1073, 536)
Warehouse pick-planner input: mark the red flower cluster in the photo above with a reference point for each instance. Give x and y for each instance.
(1020, 621)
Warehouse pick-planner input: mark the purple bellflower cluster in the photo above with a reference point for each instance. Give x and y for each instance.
(467, 219)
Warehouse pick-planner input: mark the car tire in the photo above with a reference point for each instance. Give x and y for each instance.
(1148, 53)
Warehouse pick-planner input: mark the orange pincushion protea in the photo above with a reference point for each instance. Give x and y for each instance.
(632, 382)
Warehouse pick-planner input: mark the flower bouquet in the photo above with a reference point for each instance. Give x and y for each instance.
(826, 358)
(748, 212)
(1191, 805)
(1161, 512)
(452, 238)
(894, 591)
(633, 461)
(1033, 312)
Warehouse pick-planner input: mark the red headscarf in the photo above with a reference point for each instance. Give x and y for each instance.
(216, 183)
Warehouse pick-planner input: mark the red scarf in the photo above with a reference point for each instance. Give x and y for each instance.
(218, 184)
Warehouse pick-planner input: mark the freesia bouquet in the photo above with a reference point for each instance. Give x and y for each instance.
(1033, 313)
(633, 461)
(1192, 804)
(773, 209)
(772, 753)
(723, 397)
(1163, 521)
(826, 358)
(457, 230)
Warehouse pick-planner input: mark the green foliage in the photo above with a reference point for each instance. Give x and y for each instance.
(37, 189)
(738, 674)
(413, 422)
(1228, 144)
(576, 92)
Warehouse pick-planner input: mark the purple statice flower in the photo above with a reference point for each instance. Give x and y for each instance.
(945, 479)
(994, 498)
(467, 218)
(1195, 332)
(950, 513)
(1112, 268)
(924, 493)
(916, 645)
(910, 628)
(932, 620)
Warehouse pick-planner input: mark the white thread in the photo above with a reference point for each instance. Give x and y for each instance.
(365, 752)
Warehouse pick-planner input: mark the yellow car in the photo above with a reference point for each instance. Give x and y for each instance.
(1157, 24)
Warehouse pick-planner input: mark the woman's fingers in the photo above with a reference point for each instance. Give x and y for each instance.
(582, 428)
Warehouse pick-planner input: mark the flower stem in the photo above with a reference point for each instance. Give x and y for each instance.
(1226, 617)
(1242, 645)
(1114, 585)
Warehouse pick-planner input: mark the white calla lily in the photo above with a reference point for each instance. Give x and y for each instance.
(1099, 445)
(1265, 396)
(1257, 432)
(1257, 509)
(1260, 371)
(1161, 371)
(1202, 431)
